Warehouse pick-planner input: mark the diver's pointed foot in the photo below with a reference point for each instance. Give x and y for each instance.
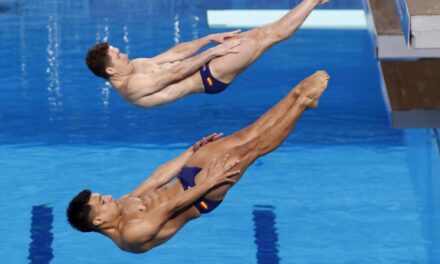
(314, 86)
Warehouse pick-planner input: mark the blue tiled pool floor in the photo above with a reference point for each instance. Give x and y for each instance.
(342, 215)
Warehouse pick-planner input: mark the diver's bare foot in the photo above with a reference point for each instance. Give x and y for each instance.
(313, 87)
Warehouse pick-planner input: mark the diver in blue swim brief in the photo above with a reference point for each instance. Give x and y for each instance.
(195, 182)
(174, 74)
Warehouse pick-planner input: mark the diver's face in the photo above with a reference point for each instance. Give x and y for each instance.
(104, 208)
(120, 61)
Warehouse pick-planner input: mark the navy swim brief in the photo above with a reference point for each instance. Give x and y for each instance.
(211, 84)
(186, 177)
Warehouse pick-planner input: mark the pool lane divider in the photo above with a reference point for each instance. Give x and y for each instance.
(266, 236)
(40, 248)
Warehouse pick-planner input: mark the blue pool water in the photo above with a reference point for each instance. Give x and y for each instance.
(344, 188)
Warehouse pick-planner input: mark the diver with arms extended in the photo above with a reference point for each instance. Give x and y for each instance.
(157, 209)
(149, 82)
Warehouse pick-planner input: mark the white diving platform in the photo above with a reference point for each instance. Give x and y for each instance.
(318, 19)
(389, 39)
(420, 21)
(410, 74)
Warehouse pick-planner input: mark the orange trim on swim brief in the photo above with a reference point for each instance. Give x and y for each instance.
(204, 205)
(209, 81)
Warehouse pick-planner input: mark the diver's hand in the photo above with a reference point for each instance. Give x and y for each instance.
(206, 140)
(227, 47)
(219, 38)
(219, 171)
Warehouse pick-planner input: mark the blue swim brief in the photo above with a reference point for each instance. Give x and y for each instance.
(211, 84)
(186, 177)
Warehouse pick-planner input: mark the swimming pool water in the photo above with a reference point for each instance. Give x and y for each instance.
(344, 188)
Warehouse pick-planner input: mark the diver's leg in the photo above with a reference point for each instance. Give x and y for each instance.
(255, 42)
(311, 87)
(264, 141)
(259, 146)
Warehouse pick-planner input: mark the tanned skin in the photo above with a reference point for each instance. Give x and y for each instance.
(160, 207)
(150, 82)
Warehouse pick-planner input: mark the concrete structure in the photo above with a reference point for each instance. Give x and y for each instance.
(420, 21)
(410, 75)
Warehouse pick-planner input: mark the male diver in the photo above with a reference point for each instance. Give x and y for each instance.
(157, 209)
(177, 73)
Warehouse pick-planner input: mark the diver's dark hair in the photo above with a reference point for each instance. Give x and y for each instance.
(97, 59)
(78, 212)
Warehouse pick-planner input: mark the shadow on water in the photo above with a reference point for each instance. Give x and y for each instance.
(266, 237)
(4, 8)
(40, 248)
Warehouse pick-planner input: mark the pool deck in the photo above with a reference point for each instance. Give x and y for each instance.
(410, 82)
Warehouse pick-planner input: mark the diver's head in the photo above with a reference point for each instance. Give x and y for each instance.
(92, 211)
(106, 61)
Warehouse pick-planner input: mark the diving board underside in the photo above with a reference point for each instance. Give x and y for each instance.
(413, 92)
